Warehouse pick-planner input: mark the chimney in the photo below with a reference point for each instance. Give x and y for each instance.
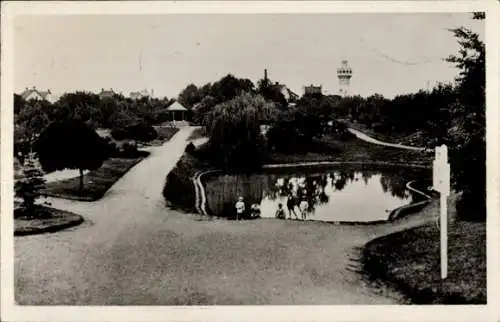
(265, 75)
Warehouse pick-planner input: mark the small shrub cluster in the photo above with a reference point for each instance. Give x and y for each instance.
(139, 132)
(29, 188)
(179, 187)
(127, 150)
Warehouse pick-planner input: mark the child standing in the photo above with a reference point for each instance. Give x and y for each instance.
(290, 204)
(240, 208)
(303, 208)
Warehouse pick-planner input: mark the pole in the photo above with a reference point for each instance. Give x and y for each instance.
(444, 236)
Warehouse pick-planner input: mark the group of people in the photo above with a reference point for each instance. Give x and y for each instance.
(243, 212)
(291, 204)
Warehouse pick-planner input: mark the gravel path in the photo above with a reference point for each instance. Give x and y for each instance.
(132, 250)
(360, 135)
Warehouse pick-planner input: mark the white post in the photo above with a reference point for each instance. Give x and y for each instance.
(441, 183)
(444, 236)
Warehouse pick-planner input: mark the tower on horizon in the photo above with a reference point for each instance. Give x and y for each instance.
(344, 74)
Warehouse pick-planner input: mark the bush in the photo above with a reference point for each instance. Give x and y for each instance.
(29, 187)
(179, 188)
(139, 132)
(120, 134)
(190, 148)
(110, 147)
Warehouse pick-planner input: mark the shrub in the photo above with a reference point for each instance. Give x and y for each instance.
(179, 188)
(129, 150)
(190, 148)
(139, 132)
(120, 134)
(30, 185)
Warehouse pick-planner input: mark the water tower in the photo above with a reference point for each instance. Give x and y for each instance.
(344, 74)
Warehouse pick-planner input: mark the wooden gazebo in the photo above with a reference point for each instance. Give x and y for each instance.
(177, 112)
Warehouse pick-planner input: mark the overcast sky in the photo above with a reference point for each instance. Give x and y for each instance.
(389, 53)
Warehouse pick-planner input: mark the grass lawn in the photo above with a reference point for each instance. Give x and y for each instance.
(410, 261)
(198, 133)
(415, 139)
(47, 220)
(164, 134)
(97, 182)
(354, 150)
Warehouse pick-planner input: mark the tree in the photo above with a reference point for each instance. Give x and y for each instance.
(78, 105)
(19, 103)
(201, 109)
(30, 185)
(467, 136)
(229, 87)
(234, 131)
(70, 145)
(190, 96)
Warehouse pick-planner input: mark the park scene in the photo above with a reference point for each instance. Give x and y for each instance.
(258, 169)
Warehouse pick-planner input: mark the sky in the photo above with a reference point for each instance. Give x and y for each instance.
(389, 54)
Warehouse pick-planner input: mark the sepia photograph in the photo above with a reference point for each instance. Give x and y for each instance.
(222, 158)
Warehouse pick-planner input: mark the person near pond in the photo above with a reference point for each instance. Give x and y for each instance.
(240, 208)
(303, 208)
(255, 211)
(290, 204)
(280, 212)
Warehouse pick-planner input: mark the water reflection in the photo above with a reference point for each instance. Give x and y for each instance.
(332, 195)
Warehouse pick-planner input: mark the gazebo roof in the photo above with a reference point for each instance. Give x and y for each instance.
(176, 106)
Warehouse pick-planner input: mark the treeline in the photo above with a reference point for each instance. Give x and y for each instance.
(426, 111)
(117, 112)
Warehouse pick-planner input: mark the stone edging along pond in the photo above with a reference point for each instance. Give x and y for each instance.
(200, 195)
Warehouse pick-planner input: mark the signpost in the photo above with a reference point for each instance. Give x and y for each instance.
(441, 183)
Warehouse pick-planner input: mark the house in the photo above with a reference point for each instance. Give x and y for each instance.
(177, 112)
(289, 95)
(106, 93)
(141, 94)
(35, 94)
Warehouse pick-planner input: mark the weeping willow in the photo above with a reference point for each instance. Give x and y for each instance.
(233, 126)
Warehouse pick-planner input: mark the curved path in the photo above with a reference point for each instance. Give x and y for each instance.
(133, 250)
(362, 136)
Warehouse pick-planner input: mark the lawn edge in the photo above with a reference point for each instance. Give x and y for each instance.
(92, 199)
(72, 221)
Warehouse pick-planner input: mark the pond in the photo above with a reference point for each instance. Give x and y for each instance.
(343, 194)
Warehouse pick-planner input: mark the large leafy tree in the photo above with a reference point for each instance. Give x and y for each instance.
(467, 137)
(229, 87)
(79, 105)
(70, 145)
(190, 96)
(234, 131)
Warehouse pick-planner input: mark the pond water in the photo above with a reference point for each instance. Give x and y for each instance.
(351, 195)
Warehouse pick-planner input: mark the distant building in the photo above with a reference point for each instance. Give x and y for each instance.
(35, 94)
(344, 74)
(141, 94)
(106, 93)
(289, 95)
(313, 90)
